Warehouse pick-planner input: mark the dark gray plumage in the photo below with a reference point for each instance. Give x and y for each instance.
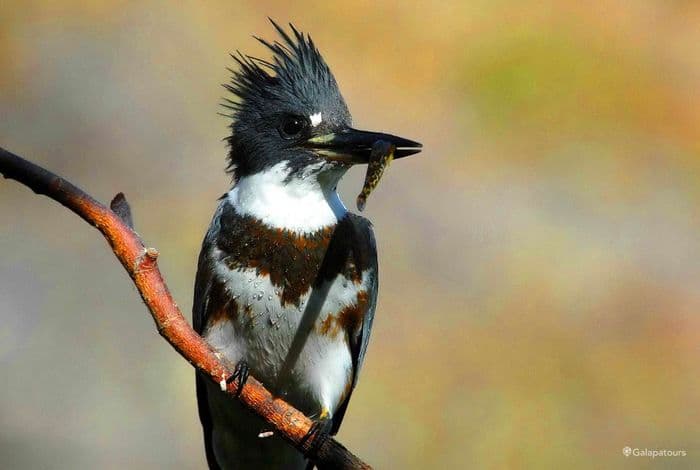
(287, 278)
(267, 94)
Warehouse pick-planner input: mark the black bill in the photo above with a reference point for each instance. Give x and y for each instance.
(355, 146)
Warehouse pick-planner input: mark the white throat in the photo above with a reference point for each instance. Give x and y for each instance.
(302, 204)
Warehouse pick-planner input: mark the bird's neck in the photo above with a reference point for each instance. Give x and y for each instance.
(301, 203)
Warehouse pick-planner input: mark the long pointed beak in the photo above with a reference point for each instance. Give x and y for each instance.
(354, 146)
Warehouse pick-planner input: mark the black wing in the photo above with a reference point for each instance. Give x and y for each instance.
(364, 257)
(200, 310)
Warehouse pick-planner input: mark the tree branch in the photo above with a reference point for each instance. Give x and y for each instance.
(141, 264)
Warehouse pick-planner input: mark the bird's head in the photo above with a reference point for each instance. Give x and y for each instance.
(290, 111)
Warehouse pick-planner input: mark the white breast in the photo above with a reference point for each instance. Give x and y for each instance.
(264, 331)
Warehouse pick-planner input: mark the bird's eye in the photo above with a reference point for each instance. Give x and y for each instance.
(292, 126)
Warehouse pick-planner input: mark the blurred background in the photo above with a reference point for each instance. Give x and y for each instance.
(539, 260)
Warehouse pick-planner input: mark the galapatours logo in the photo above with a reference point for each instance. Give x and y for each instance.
(628, 451)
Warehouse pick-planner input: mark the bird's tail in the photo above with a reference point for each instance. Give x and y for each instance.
(207, 424)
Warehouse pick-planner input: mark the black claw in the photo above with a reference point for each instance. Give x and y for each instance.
(240, 373)
(318, 434)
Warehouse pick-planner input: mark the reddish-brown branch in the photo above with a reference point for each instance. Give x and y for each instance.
(141, 264)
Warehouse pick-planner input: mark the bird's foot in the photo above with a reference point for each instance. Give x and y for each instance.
(317, 435)
(240, 373)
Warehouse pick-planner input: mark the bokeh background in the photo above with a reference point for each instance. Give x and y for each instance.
(539, 260)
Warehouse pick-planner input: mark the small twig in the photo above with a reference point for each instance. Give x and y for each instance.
(120, 206)
(116, 225)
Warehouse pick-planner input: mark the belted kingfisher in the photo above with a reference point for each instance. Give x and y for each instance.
(286, 284)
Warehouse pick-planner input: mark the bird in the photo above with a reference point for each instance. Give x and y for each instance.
(287, 277)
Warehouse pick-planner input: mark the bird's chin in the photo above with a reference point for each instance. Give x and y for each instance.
(339, 157)
(315, 164)
(328, 173)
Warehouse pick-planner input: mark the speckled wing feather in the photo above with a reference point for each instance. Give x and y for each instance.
(364, 256)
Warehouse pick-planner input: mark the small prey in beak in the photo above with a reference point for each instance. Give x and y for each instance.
(352, 146)
(380, 157)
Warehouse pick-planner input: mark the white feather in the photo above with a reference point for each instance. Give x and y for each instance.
(316, 119)
(302, 204)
